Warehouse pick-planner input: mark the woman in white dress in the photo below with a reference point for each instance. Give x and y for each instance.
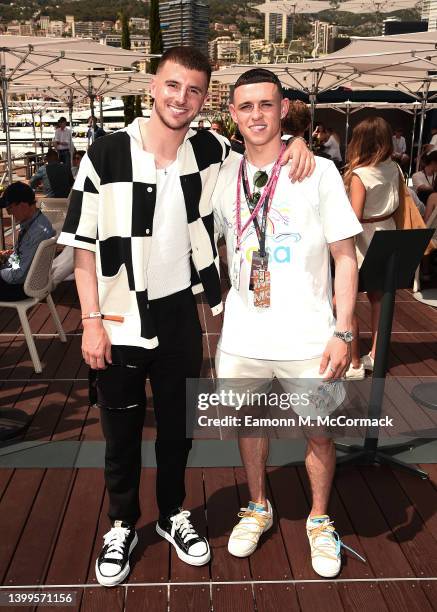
(372, 180)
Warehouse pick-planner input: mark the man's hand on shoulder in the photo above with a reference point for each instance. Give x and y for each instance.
(302, 160)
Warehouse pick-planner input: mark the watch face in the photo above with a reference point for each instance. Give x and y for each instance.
(346, 336)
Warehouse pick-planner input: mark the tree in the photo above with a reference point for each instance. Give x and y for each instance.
(155, 34)
(128, 101)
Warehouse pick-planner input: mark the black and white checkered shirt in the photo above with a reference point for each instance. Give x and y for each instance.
(111, 213)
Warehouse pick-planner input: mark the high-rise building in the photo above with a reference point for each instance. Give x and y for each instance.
(323, 36)
(139, 23)
(44, 22)
(224, 51)
(429, 13)
(185, 22)
(88, 29)
(277, 27)
(56, 28)
(70, 25)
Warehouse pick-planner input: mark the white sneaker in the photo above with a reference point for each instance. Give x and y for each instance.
(368, 362)
(246, 534)
(355, 373)
(325, 546)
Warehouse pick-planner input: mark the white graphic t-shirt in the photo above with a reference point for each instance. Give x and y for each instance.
(303, 219)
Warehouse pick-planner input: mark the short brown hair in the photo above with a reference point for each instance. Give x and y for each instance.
(188, 57)
(257, 75)
(298, 118)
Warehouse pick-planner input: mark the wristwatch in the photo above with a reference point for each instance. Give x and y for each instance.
(346, 336)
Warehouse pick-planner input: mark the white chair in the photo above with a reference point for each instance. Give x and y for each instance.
(55, 209)
(426, 296)
(37, 286)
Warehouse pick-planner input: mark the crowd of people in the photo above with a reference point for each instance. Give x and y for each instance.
(146, 209)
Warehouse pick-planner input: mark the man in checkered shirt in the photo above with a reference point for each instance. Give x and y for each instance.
(142, 226)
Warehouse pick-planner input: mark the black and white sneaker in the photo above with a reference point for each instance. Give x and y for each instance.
(189, 545)
(112, 565)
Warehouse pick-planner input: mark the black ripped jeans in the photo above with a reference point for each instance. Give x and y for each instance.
(122, 400)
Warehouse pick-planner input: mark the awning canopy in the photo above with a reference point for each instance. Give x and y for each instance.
(21, 55)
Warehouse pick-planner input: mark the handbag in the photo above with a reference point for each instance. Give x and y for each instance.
(407, 215)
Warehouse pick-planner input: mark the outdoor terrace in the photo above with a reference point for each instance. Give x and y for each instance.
(52, 519)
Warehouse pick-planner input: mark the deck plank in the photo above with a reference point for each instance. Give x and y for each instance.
(146, 598)
(15, 507)
(98, 599)
(270, 547)
(185, 598)
(276, 597)
(223, 504)
(382, 552)
(151, 557)
(195, 503)
(226, 597)
(70, 562)
(35, 548)
(292, 514)
(318, 597)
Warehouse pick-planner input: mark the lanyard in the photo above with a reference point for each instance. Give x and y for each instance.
(260, 231)
(267, 195)
(24, 231)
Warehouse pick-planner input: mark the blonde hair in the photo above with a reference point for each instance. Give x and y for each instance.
(371, 144)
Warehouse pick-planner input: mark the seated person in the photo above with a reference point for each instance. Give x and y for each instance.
(77, 158)
(425, 183)
(400, 149)
(56, 178)
(19, 201)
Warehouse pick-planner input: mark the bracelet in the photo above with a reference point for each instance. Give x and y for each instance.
(92, 315)
(99, 315)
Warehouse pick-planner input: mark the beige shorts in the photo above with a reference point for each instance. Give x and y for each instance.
(302, 378)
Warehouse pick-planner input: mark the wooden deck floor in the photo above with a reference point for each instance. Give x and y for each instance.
(52, 520)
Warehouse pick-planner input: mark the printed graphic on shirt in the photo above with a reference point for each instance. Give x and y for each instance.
(279, 236)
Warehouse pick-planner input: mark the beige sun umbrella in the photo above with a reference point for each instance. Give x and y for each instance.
(86, 84)
(291, 8)
(378, 7)
(406, 62)
(22, 56)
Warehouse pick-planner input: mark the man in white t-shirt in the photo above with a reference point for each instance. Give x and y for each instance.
(278, 319)
(62, 142)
